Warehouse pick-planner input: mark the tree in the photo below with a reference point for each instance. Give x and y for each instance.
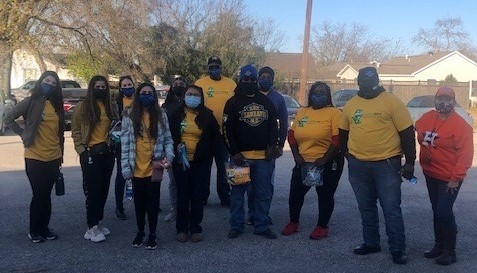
(332, 43)
(449, 80)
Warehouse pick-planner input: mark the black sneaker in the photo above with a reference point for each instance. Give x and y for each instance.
(151, 242)
(120, 214)
(138, 240)
(251, 221)
(35, 237)
(49, 235)
(363, 249)
(234, 233)
(399, 257)
(267, 234)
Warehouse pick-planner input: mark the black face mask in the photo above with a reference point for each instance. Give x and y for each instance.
(371, 92)
(247, 88)
(100, 93)
(178, 91)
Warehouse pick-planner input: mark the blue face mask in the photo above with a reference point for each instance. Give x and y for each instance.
(46, 89)
(265, 84)
(146, 99)
(215, 72)
(192, 101)
(319, 101)
(128, 92)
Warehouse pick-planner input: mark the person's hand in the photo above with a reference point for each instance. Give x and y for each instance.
(299, 161)
(407, 171)
(452, 187)
(238, 159)
(320, 162)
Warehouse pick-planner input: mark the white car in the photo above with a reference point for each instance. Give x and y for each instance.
(5, 104)
(422, 104)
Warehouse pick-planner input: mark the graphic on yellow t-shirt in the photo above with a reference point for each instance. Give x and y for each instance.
(46, 146)
(313, 131)
(216, 94)
(190, 133)
(373, 126)
(101, 130)
(144, 149)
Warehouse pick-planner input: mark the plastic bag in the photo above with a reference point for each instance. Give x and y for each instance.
(237, 175)
(312, 175)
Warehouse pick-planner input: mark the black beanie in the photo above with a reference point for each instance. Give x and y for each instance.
(268, 70)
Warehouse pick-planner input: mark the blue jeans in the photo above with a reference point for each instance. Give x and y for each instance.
(442, 203)
(379, 180)
(250, 194)
(261, 180)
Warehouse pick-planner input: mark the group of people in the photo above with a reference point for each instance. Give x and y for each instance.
(244, 124)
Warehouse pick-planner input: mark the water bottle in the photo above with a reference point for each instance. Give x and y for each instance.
(413, 180)
(129, 189)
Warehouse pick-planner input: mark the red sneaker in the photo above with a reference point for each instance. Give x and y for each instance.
(291, 228)
(320, 233)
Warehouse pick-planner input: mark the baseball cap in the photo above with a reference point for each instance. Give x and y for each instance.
(368, 77)
(248, 71)
(214, 60)
(445, 91)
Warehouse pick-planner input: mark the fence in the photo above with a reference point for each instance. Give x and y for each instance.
(403, 90)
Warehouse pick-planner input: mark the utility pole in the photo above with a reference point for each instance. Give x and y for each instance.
(304, 59)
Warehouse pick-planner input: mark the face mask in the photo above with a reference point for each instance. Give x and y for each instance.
(99, 93)
(46, 89)
(444, 107)
(192, 101)
(128, 92)
(178, 91)
(215, 73)
(146, 99)
(265, 84)
(319, 101)
(247, 88)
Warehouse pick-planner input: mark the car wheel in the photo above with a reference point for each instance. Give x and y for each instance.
(2, 129)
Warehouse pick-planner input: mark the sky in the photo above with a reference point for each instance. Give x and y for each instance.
(399, 20)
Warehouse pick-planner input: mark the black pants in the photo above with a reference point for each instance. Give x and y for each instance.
(326, 201)
(223, 189)
(191, 190)
(146, 200)
(42, 176)
(96, 179)
(120, 183)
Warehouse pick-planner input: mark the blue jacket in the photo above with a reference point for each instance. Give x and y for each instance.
(281, 108)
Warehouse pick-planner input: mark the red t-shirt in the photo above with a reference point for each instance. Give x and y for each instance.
(447, 146)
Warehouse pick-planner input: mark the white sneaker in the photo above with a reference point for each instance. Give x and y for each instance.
(171, 216)
(94, 235)
(104, 230)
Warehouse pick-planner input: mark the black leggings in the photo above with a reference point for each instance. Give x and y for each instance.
(96, 179)
(42, 176)
(326, 201)
(146, 200)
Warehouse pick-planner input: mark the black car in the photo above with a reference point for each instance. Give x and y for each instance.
(71, 97)
(18, 94)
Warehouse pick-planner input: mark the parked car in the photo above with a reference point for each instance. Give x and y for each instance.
(71, 97)
(18, 94)
(422, 104)
(5, 104)
(292, 108)
(341, 97)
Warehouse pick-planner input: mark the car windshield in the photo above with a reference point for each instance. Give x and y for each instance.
(423, 102)
(291, 102)
(74, 93)
(70, 84)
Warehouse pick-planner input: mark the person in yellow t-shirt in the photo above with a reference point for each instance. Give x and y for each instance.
(90, 125)
(145, 139)
(43, 139)
(124, 99)
(376, 129)
(194, 126)
(217, 90)
(313, 139)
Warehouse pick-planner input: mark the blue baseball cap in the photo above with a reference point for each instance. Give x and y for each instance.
(248, 71)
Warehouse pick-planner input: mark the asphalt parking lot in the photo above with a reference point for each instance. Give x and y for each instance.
(217, 253)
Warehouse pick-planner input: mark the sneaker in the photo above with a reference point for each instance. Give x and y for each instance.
(267, 234)
(120, 215)
(196, 237)
(234, 233)
(35, 237)
(49, 235)
(290, 229)
(251, 221)
(363, 249)
(399, 257)
(94, 235)
(104, 230)
(181, 237)
(320, 233)
(138, 240)
(151, 242)
(171, 216)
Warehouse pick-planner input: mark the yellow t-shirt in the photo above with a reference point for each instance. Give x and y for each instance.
(216, 94)
(127, 101)
(190, 133)
(101, 130)
(46, 146)
(144, 150)
(373, 126)
(313, 130)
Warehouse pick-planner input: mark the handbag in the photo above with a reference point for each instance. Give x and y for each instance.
(157, 171)
(115, 132)
(60, 184)
(99, 149)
